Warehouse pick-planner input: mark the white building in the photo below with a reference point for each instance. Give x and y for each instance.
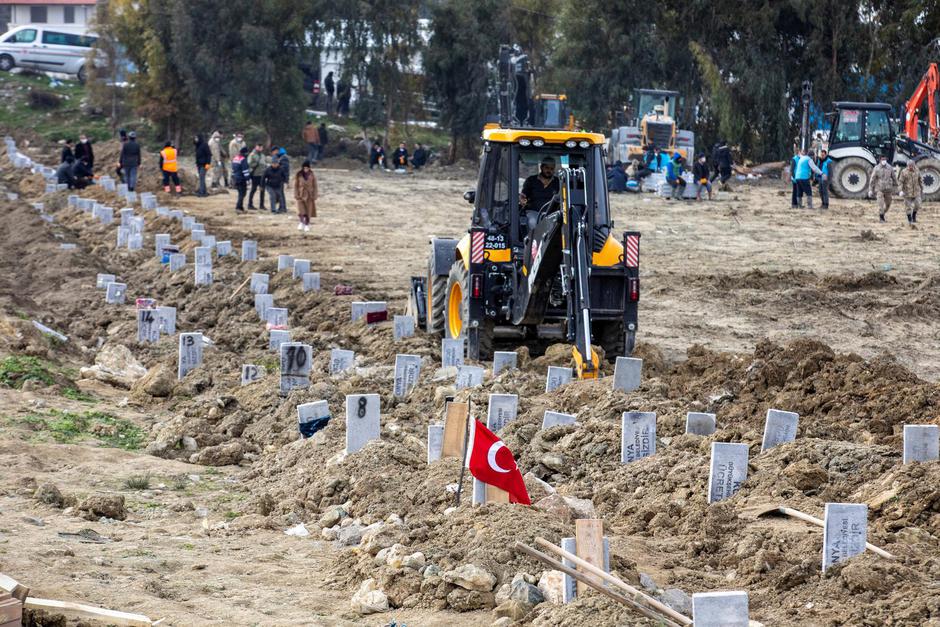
(19, 12)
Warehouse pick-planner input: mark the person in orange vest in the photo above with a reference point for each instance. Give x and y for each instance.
(170, 168)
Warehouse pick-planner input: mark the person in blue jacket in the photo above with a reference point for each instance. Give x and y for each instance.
(674, 170)
(617, 179)
(656, 160)
(802, 175)
(824, 163)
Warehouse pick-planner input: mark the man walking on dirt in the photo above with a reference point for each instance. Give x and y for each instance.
(273, 182)
(130, 160)
(912, 188)
(882, 185)
(218, 165)
(802, 176)
(235, 147)
(203, 163)
(256, 166)
(241, 174)
(169, 167)
(330, 92)
(312, 139)
(824, 164)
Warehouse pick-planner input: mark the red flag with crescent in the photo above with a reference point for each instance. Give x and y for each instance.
(491, 462)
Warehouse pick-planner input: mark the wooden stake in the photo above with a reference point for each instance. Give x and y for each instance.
(795, 513)
(240, 287)
(18, 590)
(589, 543)
(495, 495)
(455, 428)
(111, 617)
(665, 609)
(581, 577)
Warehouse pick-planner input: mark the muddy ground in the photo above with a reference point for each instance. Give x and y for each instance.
(746, 305)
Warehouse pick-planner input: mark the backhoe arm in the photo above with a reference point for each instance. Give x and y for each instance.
(926, 90)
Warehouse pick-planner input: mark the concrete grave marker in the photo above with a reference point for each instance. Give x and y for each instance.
(276, 337)
(502, 410)
(779, 427)
(148, 202)
(638, 436)
(570, 586)
(177, 261)
(285, 262)
(402, 327)
(452, 352)
(123, 234)
(114, 294)
(223, 248)
(301, 266)
(362, 309)
(311, 417)
(209, 242)
(72, 200)
(435, 442)
(148, 325)
(106, 215)
(921, 443)
(166, 319)
(249, 250)
(259, 283)
(108, 185)
(296, 359)
(199, 226)
(362, 421)
(554, 418)
(188, 222)
(276, 316)
(50, 188)
(407, 370)
(469, 376)
(203, 274)
(727, 471)
(159, 241)
(341, 360)
(252, 373)
(720, 609)
(130, 196)
(163, 212)
(136, 225)
(627, 373)
(845, 532)
(176, 214)
(135, 241)
(263, 302)
(311, 281)
(190, 353)
(102, 280)
(196, 235)
(203, 256)
(557, 376)
(698, 423)
(504, 360)
(127, 214)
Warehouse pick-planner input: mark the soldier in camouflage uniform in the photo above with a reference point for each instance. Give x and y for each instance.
(882, 186)
(912, 188)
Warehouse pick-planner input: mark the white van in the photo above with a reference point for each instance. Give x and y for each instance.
(47, 48)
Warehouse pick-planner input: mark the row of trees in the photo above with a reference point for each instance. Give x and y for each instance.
(205, 63)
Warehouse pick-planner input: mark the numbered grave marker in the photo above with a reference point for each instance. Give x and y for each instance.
(278, 337)
(362, 421)
(123, 234)
(341, 360)
(727, 471)
(469, 376)
(135, 241)
(554, 418)
(209, 242)
(163, 212)
(199, 226)
(296, 359)
(285, 262)
(127, 214)
(638, 435)
(249, 250)
(159, 241)
(190, 353)
(263, 302)
(223, 248)
(720, 609)
(136, 225)
(196, 235)
(311, 417)
(311, 282)
(276, 316)
(166, 318)
(557, 376)
(627, 373)
(148, 325)
(407, 370)
(845, 532)
(921, 443)
(176, 214)
(259, 283)
(697, 423)
(115, 293)
(177, 261)
(452, 352)
(779, 427)
(203, 256)
(188, 222)
(252, 373)
(502, 410)
(203, 274)
(301, 266)
(504, 360)
(435, 442)
(402, 327)
(102, 280)
(370, 310)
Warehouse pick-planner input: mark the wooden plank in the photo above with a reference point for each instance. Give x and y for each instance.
(11, 610)
(111, 617)
(455, 425)
(12, 586)
(496, 495)
(589, 540)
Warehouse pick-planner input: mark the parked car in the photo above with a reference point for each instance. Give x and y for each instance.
(47, 48)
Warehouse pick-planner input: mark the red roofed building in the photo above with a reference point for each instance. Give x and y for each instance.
(19, 12)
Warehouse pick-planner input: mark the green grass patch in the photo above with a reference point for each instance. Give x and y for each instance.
(55, 123)
(137, 482)
(230, 515)
(67, 427)
(16, 370)
(74, 394)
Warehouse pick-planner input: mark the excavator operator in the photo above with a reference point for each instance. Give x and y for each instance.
(537, 192)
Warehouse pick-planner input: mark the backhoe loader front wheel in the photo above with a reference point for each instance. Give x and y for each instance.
(457, 313)
(614, 338)
(436, 295)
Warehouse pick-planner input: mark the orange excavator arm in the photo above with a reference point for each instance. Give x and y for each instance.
(926, 90)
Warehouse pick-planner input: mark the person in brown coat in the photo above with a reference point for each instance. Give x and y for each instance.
(305, 193)
(312, 138)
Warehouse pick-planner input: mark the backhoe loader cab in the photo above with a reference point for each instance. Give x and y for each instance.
(537, 274)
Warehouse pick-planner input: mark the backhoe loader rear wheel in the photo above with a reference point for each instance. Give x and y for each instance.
(437, 292)
(457, 312)
(616, 340)
(850, 177)
(930, 178)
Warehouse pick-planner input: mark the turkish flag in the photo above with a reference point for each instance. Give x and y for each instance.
(491, 462)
